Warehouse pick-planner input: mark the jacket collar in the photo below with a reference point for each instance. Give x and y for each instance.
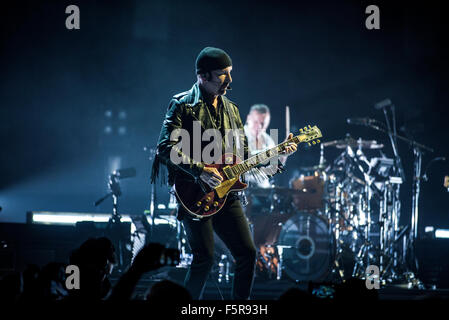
(196, 96)
(198, 105)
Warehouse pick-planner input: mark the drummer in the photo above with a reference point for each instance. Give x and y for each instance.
(255, 128)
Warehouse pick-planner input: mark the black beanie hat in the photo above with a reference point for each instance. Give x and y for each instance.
(212, 59)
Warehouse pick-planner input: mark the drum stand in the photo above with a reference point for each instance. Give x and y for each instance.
(334, 213)
(336, 221)
(364, 257)
(390, 267)
(390, 211)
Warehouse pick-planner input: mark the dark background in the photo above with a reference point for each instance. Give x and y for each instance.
(130, 57)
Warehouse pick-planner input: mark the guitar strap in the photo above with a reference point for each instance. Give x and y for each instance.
(235, 129)
(236, 137)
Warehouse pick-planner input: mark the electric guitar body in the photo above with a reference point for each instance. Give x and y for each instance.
(201, 201)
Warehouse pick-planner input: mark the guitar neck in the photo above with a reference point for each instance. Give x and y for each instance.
(263, 156)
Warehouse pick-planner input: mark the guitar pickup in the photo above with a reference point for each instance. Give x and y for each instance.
(228, 172)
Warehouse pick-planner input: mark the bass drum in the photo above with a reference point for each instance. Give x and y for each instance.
(306, 247)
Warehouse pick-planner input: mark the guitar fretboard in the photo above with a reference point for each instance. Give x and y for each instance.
(263, 156)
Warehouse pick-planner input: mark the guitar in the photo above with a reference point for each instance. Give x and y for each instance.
(202, 201)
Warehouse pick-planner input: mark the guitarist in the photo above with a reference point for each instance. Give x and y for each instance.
(257, 122)
(206, 103)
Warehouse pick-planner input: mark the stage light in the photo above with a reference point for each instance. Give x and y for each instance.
(122, 130)
(122, 115)
(108, 129)
(442, 233)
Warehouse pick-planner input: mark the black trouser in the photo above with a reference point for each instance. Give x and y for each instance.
(231, 226)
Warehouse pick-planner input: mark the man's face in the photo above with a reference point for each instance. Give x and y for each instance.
(218, 82)
(258, 122)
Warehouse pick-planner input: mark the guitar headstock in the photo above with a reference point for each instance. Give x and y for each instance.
(310, 134)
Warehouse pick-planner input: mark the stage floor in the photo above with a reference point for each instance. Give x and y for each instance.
(267, 289)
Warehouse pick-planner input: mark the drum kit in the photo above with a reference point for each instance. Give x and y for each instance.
(333, 221)
(340, 218)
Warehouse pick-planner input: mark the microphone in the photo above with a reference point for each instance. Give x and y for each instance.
(360, 121)
(382, 104)
(125, 173)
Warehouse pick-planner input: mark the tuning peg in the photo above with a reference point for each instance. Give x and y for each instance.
(318, 141)
(313, 142)
(310, 127)
(300, 130)
(305, 128)
(309, 144)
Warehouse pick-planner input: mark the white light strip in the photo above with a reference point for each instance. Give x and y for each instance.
(442, 233)
(67, 218)
(73, 218)
(172, 205)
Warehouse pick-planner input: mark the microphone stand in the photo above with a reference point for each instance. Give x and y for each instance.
(113, 229)
(151, 157)
(418, 150)
(395, 188)
(392, 134)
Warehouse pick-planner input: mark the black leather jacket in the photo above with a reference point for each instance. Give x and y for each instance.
(183, 110)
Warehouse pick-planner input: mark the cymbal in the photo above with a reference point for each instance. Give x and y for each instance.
(350, 142)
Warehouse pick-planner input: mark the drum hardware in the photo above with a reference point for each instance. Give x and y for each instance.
(342, 194)
(305, 247)
(357, 216)
(351, 142)
(280, 249)
(351, 174)
(400, 266)
(224, 274)
(268, 262)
